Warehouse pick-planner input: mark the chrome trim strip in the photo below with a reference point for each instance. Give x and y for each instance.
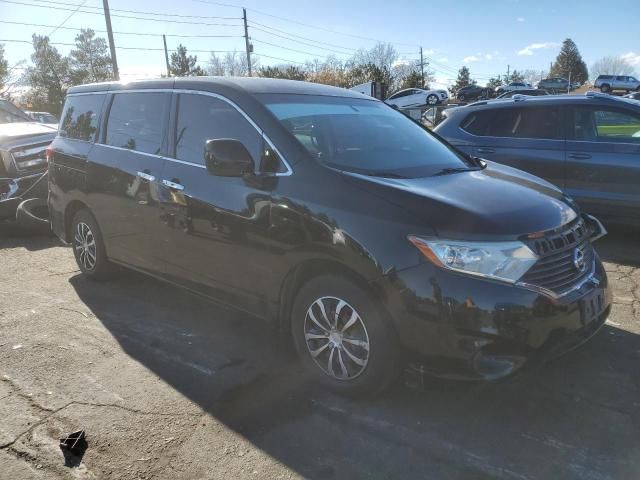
(552, 294)
(208, 94)
(603, 231)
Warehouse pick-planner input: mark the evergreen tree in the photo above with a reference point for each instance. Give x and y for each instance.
(90, 60)
(49, 77)
(569, 63)
(183, 65)
(464, 79)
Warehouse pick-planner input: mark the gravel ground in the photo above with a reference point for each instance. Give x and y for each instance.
(169, 386)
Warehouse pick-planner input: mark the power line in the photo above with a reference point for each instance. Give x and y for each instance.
(253, 23)
(68, 17)
(120, 48)
(124, 16)
(284, 48)
(52, 2)
(77, 29)
(276, 58)
(306, 24)
(300, 41)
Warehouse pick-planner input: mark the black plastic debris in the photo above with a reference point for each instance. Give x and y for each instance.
(73, 447)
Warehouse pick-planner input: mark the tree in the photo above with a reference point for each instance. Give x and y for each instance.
(216, 66)
(368, 72)
(4, 69)
(183, 65)
(412, 80)
(516, 76)
(90, 60)
(611, 66)
(464, 79)
(289, 72)
(494, 82)
(49, 77)
(569, 63)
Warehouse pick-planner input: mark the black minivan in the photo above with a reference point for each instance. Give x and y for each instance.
(332, 215)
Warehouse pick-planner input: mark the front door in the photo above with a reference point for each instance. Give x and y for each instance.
(125, 170)
(216, 227)
(527, 138)
(603, 161)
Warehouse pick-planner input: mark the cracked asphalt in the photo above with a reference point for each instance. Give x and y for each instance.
(169, 386)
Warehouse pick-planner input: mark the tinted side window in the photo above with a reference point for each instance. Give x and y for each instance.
(202, 118)
(477, 122)
(137, 121)
(543, 123)
(80, 116)
(606, 125)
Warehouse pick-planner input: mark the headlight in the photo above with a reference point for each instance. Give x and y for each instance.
(505, 261)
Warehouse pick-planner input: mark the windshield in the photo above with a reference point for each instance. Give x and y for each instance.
(9, 113)
(363, 136)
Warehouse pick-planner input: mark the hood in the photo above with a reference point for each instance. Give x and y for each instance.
(498, 202)
(16, 130)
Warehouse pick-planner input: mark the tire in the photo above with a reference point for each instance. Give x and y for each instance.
(88, 247)
(638, 89)
(363, 361)
(432, 99)
(461, 97)
(32, 215)
(605, 88)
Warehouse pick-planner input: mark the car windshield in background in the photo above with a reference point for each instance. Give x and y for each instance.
(363, 136)
(9, 113)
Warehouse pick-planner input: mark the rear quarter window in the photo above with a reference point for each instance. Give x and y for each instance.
(476, 123)
(80, 117)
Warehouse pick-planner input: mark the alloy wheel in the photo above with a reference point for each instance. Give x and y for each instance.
(85, 245)
(432, 100)
(336, 338)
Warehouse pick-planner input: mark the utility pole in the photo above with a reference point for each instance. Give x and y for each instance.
(166, 55)
(508, 76)
(112, 46)
(421, 69)
(246, 39)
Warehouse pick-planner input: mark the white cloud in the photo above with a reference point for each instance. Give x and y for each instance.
(631, 58)
(530, 49)
(520, 19)
(470, 58)
(488, 56)
(429, 52)
(443, 59)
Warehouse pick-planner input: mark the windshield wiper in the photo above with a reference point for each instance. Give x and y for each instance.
(447, 171)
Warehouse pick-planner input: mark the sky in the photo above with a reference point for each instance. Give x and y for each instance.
(486, 36)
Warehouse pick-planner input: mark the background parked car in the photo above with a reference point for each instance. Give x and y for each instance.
(472, 92)
(633, 96)
(22, 158)
(609, 83)
(554, 84)
(588, 145)
(417, 97)
(512, 86)
(43, 117)
(532, 92)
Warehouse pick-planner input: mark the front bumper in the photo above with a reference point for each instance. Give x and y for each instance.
(463, 327)
(14, 190)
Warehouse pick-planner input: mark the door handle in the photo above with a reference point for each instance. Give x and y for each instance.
(173, 185)
(579, 156)
(486, 150)
(146, 176)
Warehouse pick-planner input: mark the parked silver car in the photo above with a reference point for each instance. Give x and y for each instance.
(608, 83)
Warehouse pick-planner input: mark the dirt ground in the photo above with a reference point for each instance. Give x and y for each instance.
(169, 386)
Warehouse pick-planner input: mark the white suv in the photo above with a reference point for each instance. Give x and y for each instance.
(513, 86)
(417, 97)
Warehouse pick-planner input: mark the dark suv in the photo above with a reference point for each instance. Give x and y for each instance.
(587, 145)
(331, 215)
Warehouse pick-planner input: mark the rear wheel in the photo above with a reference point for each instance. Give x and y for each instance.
(605, 88)
(343, 338)
(461, 97)
(88, 247)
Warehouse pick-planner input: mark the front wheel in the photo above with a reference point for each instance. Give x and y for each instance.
(605, 88)
(344, 338)
(88, 247)
(432, 99)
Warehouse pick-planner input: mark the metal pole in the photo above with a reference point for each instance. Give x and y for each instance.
(166, 55)
(421, 69)
(112, 45)
(246, 39)
(569, 85)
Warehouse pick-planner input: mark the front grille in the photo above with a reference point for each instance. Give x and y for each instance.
(556, 268)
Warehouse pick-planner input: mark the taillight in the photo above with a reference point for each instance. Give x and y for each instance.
(49, 153)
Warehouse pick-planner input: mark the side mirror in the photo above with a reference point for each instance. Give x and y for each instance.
(227, 158)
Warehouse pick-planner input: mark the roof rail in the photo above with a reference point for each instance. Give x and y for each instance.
(592, 94)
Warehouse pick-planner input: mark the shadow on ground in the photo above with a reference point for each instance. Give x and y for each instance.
(577, 417)
(13, 236)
